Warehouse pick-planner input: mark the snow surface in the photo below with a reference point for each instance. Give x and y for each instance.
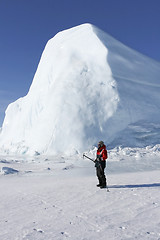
(88, 87)
(57, 198)
(8, 170)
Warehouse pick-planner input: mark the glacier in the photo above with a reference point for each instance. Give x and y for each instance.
(88, 87)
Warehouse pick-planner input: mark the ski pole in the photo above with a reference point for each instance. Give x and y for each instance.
(107, 187)
(88, 157)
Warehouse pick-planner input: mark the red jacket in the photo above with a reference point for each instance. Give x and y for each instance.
(102, 153)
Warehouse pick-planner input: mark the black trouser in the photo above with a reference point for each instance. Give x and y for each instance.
(100, 172)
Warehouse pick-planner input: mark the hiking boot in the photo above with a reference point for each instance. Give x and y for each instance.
(99, 185)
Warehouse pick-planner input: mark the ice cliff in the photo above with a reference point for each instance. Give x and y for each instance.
(87, 87)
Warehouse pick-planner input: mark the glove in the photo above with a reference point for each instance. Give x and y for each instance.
(97, 162)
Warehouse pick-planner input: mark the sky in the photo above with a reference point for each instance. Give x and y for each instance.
(27, 25)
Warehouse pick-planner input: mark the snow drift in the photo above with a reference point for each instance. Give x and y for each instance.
(88, 87)
(7, 170)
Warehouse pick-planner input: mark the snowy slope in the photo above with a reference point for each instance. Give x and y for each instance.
(88, 86)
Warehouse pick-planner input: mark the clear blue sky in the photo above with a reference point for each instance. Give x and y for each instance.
(26, 26)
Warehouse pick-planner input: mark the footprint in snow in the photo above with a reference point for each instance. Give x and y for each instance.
(65, 234)
(38, 230)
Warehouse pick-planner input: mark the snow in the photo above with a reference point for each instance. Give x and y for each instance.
(57, 198)
(7, 170)
(88, 86)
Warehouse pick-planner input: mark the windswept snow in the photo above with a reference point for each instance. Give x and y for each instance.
(8, 170)
(88, 86)
(58, 199)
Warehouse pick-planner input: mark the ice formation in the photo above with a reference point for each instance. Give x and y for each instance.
(88, 87)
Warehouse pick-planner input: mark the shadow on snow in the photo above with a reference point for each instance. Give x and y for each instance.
(136, 186)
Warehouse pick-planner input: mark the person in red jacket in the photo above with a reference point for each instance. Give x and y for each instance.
(100, 164)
